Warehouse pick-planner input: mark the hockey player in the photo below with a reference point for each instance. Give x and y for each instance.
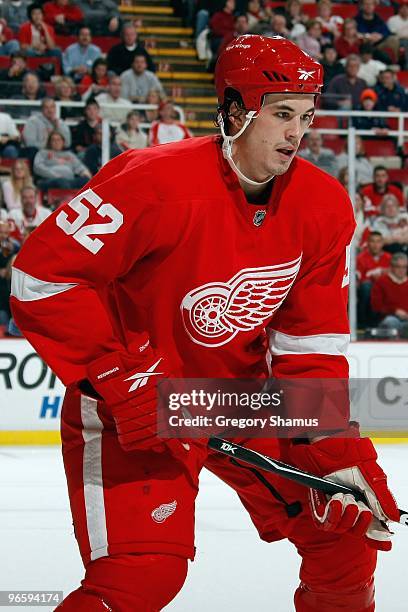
(186, 260)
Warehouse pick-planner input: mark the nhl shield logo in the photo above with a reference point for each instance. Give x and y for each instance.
(259, 216)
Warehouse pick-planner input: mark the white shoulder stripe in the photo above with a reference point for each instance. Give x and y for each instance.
(323, 344)
(26, 288)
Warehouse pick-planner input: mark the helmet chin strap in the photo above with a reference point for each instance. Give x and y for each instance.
(227, 147)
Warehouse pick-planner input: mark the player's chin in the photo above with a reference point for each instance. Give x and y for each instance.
(281, 163)
(280, 168)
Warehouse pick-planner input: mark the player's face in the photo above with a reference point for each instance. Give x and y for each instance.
(269, 144)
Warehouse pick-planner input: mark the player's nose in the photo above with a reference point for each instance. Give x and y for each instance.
(294, 129)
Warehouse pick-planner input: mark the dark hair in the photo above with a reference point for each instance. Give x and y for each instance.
(139, 54)
(328, 46)
(130, 114)
(133, 113)
(376, 168)
(126, 26)
(98, 62)
(19, 54)
(366, 48)
(35, 6)
(311, 23)
(51, 134)
(231, 95)
(91, 102)
(374, 233)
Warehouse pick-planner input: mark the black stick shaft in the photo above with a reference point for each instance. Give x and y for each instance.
(268, 464)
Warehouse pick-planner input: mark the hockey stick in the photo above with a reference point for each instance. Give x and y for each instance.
(247, 455)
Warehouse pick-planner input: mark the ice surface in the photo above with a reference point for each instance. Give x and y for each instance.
(234, 571)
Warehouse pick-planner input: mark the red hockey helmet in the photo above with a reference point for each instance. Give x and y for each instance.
(256, 65)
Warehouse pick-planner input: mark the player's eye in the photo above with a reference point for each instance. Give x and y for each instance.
(282, 115)
(307, 118)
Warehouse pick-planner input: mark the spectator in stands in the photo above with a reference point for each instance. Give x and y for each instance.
(20, 177)
(65, 92)
(168, 128)
(8, 41)
(391, 95)
(222, 24)
(343, 176)
(375, 192)
(56, 168)
(363, 166)
(241, 27)
(344, 91)
(129, 135)
(65, 16)
(369, 68)
(204, 10)
(154, 97)
(255, 13)
(375, 31)
(392, 224)
(31, 213)
(372, 263)
(9, 137)
(37, 38)
(138, 81)
(39, 127)
(332, 25)
(310, 41)
(398, 25)
(350, 41)
(12, 77)
(14, 12)
(120, 57)
(331, 66)
(31, 88)
(113, 97)
(97, 82)
(368, 104)
(93, 154)
(79, 57)
(83, 133)
(363, 227)
(278, 26)
(102, 16)
(389, 295)
(8, 248)
(295, 18)
(318, 155)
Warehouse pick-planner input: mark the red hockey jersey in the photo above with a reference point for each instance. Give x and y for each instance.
(164, 242)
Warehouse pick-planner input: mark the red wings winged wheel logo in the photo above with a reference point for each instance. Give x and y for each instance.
(214, 313)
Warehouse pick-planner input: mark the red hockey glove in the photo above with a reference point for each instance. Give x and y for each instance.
(128, 383)
(350, 461)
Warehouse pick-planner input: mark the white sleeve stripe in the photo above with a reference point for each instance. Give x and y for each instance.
(26, 288)
(322, 344)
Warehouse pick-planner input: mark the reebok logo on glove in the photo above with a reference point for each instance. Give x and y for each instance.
(142, 378)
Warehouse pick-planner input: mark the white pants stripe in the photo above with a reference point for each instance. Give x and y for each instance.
(92, 476)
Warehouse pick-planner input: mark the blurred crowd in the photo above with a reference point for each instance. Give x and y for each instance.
(71, 64)
(66, 65)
